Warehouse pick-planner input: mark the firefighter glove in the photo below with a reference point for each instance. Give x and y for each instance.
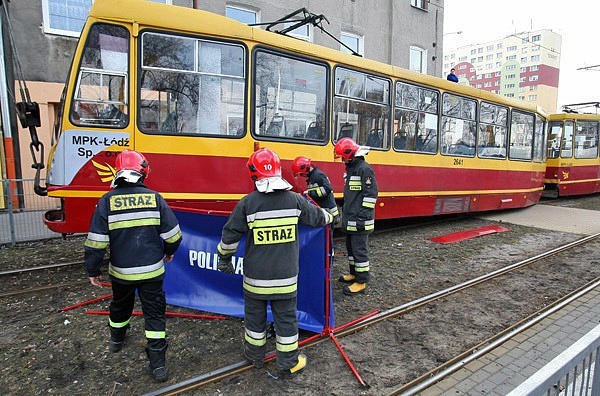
(225, 266)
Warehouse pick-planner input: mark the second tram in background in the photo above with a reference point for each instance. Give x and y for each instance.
(573, 165)
(197, 93)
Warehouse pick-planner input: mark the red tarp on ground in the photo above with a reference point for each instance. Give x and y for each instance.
(462, 235)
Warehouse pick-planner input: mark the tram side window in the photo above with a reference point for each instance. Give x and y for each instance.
(101, 94)
(493, 127)
(190, 86)
(416, 118)
(566, 146)
(521, 136)
(539, 139)
(290, 98)
(361, 108)
(554, 137)
(459, 125)
(586, 139)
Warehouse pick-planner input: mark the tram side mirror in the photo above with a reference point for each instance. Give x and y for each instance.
(29, 114)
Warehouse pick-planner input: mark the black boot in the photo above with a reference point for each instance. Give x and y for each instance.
(156, 365)
(117, 337)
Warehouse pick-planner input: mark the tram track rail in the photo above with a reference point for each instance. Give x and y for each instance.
(18, 271)
(237, 368)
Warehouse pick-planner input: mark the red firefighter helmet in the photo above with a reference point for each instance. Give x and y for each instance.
(346, 148)
(264, 163)
(132, 161)
(301, 165)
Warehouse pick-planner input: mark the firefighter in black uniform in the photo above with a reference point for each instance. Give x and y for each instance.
(143, 234)
(318, 185)
(358, 215)
(270, 216)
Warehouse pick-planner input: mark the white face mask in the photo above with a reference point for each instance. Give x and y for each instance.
(127, 175)
(270, 184)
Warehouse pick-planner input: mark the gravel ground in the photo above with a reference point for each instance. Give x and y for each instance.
(45, 351)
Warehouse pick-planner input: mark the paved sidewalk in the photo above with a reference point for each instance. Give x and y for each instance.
(550, 217)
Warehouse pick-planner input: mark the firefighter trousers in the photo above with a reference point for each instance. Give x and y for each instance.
(358, 256)
(152, 298)
(285, 317)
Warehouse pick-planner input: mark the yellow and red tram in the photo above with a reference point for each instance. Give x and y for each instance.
(573, 165)
(197, 93)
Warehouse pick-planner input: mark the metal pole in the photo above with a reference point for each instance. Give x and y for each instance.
(11, 218)
(596, 375)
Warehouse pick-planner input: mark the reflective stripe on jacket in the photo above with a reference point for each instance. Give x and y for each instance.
(360, 197)
(140, 229)
(271, 222)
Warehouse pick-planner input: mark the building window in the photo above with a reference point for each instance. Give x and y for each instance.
(537, 37)
(534, 68)
(422, 4)
(418, 59)
(532, 97)
(65, 17)
(535, 58)
(533, 78)
(473, 51)
(354, 41)
(303, 32)
(489, 48)
(499, 46)
(243, 15)
(533, 87)
(524, 60)
(511, 48)
(462, 67)
(512, 57)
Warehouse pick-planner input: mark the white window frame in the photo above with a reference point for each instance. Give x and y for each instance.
(360, 41)
(303, 37)
(420, 4)
(250, 10)
(70, 33)
(423, 58)
(46, 21)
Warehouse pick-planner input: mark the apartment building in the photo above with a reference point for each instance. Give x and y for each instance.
(523, 65)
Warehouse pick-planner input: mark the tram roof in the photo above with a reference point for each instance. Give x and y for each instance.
(184, 19)
(574, 116)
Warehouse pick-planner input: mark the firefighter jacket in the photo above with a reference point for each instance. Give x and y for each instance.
(140, 229)
(360, 196)
(272, 242)
(319, 189)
